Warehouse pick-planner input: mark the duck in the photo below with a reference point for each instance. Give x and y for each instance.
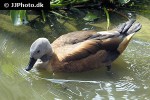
(82, 50)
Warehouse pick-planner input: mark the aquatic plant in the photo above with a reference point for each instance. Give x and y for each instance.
(20, 17)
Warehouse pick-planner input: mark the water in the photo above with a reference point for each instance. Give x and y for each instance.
(129, 78)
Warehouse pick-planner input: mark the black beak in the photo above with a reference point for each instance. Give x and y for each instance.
(31, 64)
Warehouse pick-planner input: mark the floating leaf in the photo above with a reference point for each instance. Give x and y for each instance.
(90, 17)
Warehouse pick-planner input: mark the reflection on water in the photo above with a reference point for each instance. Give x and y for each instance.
(129, 78)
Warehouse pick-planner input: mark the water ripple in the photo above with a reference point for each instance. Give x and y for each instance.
(137, 55)
(94, 90)
(4, 45)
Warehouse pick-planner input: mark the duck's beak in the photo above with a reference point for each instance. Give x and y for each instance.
(31, 64)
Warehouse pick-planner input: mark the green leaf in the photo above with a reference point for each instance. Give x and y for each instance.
(123, 1)
(60, 15)
(18, 16)
(90, 17)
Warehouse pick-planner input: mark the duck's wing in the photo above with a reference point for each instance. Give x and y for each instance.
(72, 38)
(81, 44)
(90, 47)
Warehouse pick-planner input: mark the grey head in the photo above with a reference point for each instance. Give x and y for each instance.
(40, 49)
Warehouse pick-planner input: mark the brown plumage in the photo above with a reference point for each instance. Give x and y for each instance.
(82, 50)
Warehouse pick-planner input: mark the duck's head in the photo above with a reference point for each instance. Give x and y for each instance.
(40, 49)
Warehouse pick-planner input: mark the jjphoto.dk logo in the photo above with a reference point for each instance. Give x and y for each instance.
(6, 5)
(15, 5)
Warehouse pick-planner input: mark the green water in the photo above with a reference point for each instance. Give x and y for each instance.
(129, 78)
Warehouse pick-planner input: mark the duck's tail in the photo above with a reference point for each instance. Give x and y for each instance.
(127, 30)
(129, 27)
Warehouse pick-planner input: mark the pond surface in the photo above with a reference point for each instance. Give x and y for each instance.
(129, 78)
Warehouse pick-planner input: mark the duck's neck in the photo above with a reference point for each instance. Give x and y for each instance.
(49, 51)
(45, 61)
(49, 55)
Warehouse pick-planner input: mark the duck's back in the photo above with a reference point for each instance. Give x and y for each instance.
(72, 38)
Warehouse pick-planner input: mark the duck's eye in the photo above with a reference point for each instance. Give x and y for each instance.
(38, 51)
